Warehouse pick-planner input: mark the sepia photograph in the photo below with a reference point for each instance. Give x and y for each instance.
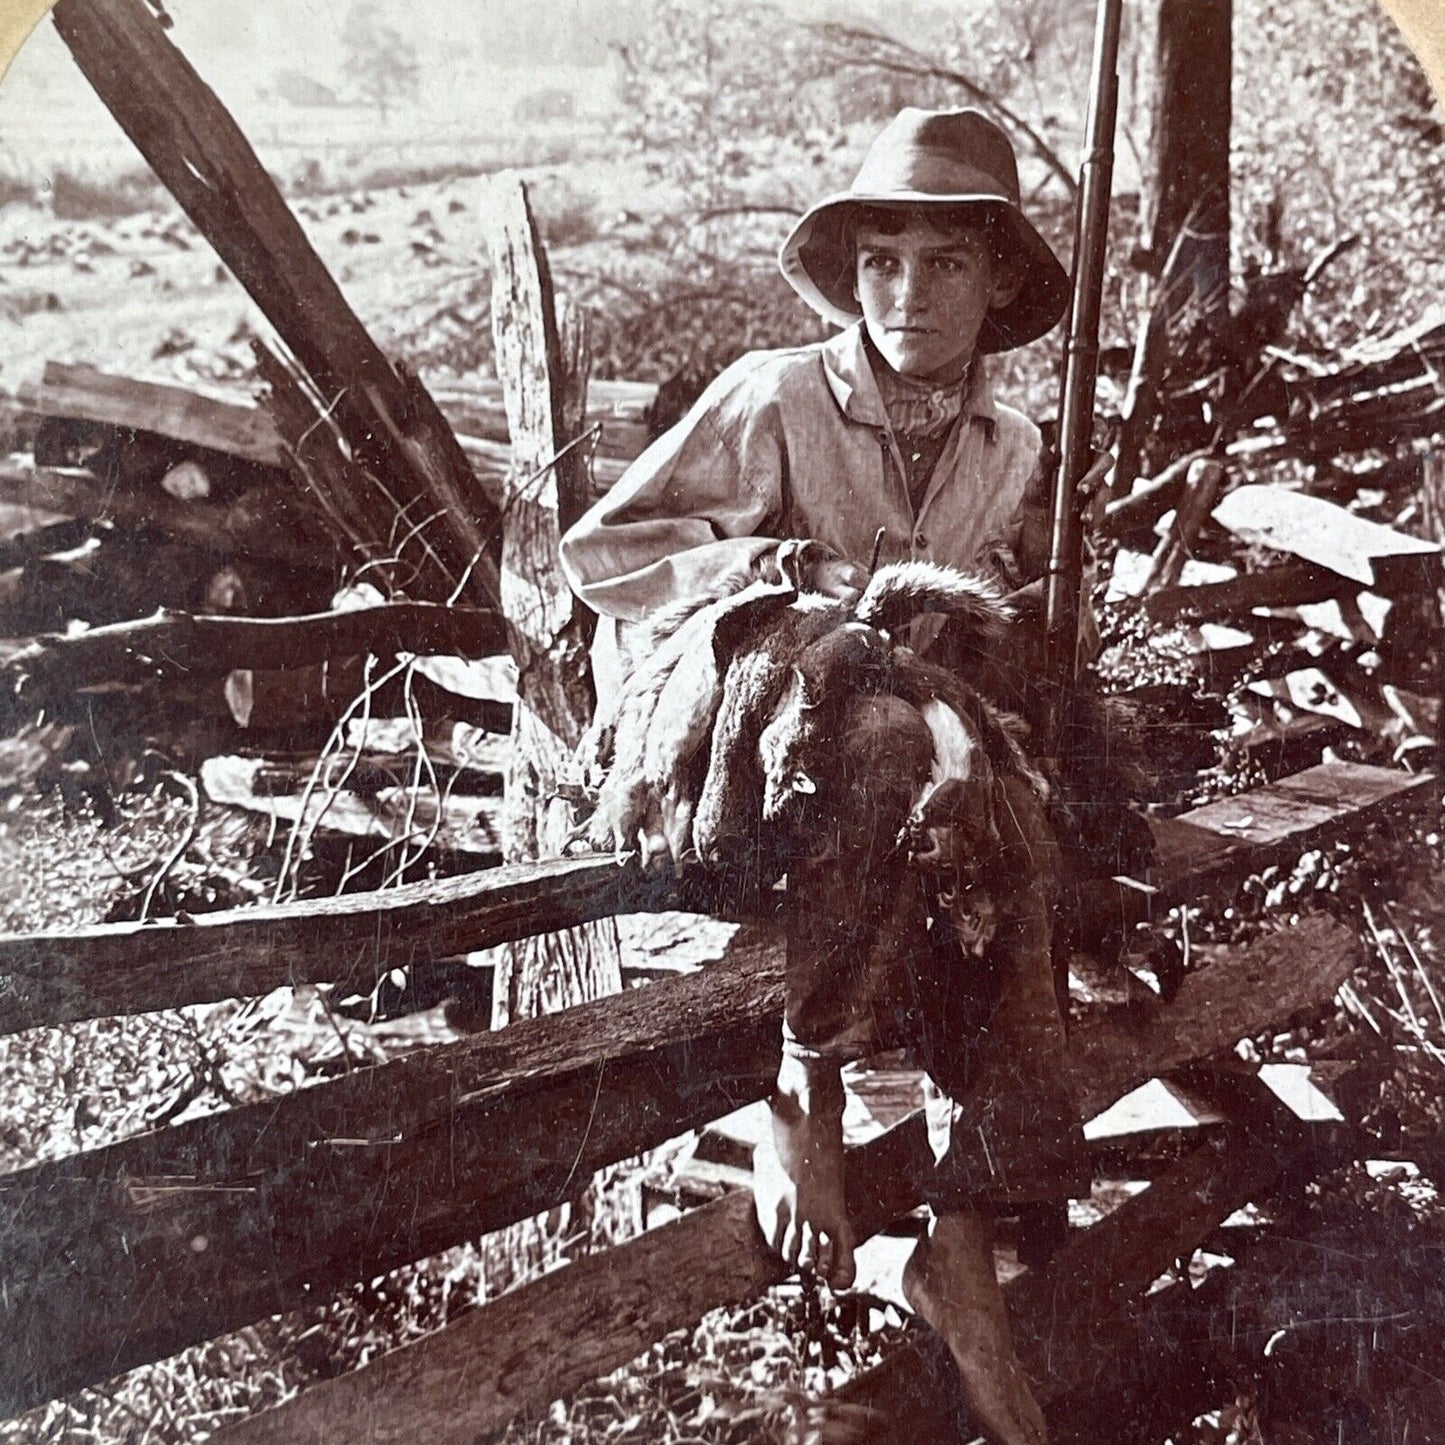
(720, 722)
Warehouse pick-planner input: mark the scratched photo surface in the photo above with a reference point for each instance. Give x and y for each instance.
(395, 959)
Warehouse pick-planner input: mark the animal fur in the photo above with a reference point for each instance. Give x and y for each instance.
(625, 798)
(642, 747)
(849, 659)
(898, 593)
(729, 812)
(721, 739)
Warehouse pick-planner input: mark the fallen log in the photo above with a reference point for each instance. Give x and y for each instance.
(121, 1256)
(613, 1306)
(201, 155)
(1292, 584)
(79, 392)
(402, 812)
(182, 642)
(230, 421)
(1356, 426)
(268, 529)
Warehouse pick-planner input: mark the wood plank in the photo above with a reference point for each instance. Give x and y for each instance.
(542, 360)
(352, 940)
(1314, 530)
(502, 1359)
(1317, 1288)
(473, 770)
(84, 393)
(1072, 1317)
(351, 1178)
(1279, 976)
(478, 409)
(175, 643)
(1209, 846)
(284, 537)
(200, 154)
(227, 418)
(399, 811)
(1432, 506)
(613, 1306)
(1289, 585)
(492, 460)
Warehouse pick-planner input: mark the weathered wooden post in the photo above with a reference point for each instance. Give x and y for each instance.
(543, 369)
(1184, 220)
(400, 440)
(1189, 152)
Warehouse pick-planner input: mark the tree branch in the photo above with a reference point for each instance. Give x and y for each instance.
(904, 60)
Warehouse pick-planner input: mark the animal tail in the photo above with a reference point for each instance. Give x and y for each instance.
(898, 593)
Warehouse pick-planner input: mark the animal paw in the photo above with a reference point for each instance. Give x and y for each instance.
(928, 835)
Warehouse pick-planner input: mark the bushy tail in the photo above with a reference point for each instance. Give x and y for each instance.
(903, 590)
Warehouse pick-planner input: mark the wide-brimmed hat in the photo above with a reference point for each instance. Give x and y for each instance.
(927, 158)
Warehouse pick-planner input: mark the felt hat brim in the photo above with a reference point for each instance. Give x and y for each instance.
(926, 160)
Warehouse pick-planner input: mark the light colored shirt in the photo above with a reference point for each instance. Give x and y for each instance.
(797, 443)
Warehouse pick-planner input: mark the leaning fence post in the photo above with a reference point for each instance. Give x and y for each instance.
(543, 367)
(388, 418)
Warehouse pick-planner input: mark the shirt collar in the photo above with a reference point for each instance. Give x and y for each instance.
(855, 389)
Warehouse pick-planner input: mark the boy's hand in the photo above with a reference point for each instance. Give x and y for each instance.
(834, 577)
(798, 1174)
(1091, 489)
(1100, 465)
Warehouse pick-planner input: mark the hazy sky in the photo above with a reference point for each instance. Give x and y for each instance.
(49, 117)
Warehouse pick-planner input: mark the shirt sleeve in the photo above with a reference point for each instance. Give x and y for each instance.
(702, 502)
(1019, 552)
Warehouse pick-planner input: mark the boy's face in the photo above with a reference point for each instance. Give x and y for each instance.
(925, 293)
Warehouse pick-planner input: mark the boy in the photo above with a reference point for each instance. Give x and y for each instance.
(885, 441)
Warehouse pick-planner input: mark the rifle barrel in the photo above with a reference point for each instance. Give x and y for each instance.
(1081, 363)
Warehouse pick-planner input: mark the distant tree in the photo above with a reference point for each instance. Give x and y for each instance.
(380, 61)
(746, 113)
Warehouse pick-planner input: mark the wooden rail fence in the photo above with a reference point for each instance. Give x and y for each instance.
(121, 1255)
